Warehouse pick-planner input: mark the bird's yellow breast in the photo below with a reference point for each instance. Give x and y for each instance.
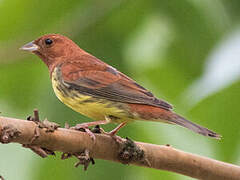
(97, 109)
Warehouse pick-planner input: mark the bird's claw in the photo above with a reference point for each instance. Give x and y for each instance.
(116, 138)
(114, 132)
(96, 129)
(84, 128)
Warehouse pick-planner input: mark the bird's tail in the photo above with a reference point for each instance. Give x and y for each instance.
(179, 120)
(151, 113)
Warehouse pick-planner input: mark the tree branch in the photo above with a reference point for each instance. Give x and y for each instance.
(136, 153)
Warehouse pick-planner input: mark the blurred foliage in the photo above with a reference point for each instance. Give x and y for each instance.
(164, 45)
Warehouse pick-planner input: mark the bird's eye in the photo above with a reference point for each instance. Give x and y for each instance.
(48, 41)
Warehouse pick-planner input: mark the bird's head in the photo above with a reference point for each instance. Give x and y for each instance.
(52, 48)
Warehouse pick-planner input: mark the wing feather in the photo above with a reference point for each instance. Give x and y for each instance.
(105, 82)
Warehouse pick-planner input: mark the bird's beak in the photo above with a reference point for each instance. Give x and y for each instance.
(30, 47)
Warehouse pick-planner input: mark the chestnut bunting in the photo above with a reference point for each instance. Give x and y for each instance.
(99, 91)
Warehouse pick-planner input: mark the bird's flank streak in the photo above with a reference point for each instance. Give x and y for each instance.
(87, 105)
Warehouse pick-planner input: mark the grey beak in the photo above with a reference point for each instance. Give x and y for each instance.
(30, 47)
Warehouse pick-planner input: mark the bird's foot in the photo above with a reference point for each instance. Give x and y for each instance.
(113, 133)
(96, 129)
(83, 157)
(84, 127)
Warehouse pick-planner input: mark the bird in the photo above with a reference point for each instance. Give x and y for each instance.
(97, 90)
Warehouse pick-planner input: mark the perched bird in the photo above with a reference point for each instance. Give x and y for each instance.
(99, 91)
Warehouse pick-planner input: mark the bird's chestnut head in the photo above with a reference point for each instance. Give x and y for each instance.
(52, 48)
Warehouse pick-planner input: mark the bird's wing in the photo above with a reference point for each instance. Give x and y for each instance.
(105, 82)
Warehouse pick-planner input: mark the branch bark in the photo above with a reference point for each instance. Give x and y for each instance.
(147, 155)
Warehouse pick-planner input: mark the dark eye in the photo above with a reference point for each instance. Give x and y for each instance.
(48, 41)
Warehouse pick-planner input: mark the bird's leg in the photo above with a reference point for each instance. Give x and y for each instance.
(88, 124)
(114, 132)
(85, 127)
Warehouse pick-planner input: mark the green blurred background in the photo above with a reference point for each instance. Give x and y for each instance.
(186, 52)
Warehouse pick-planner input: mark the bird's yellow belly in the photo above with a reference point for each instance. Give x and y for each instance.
(97, 109)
